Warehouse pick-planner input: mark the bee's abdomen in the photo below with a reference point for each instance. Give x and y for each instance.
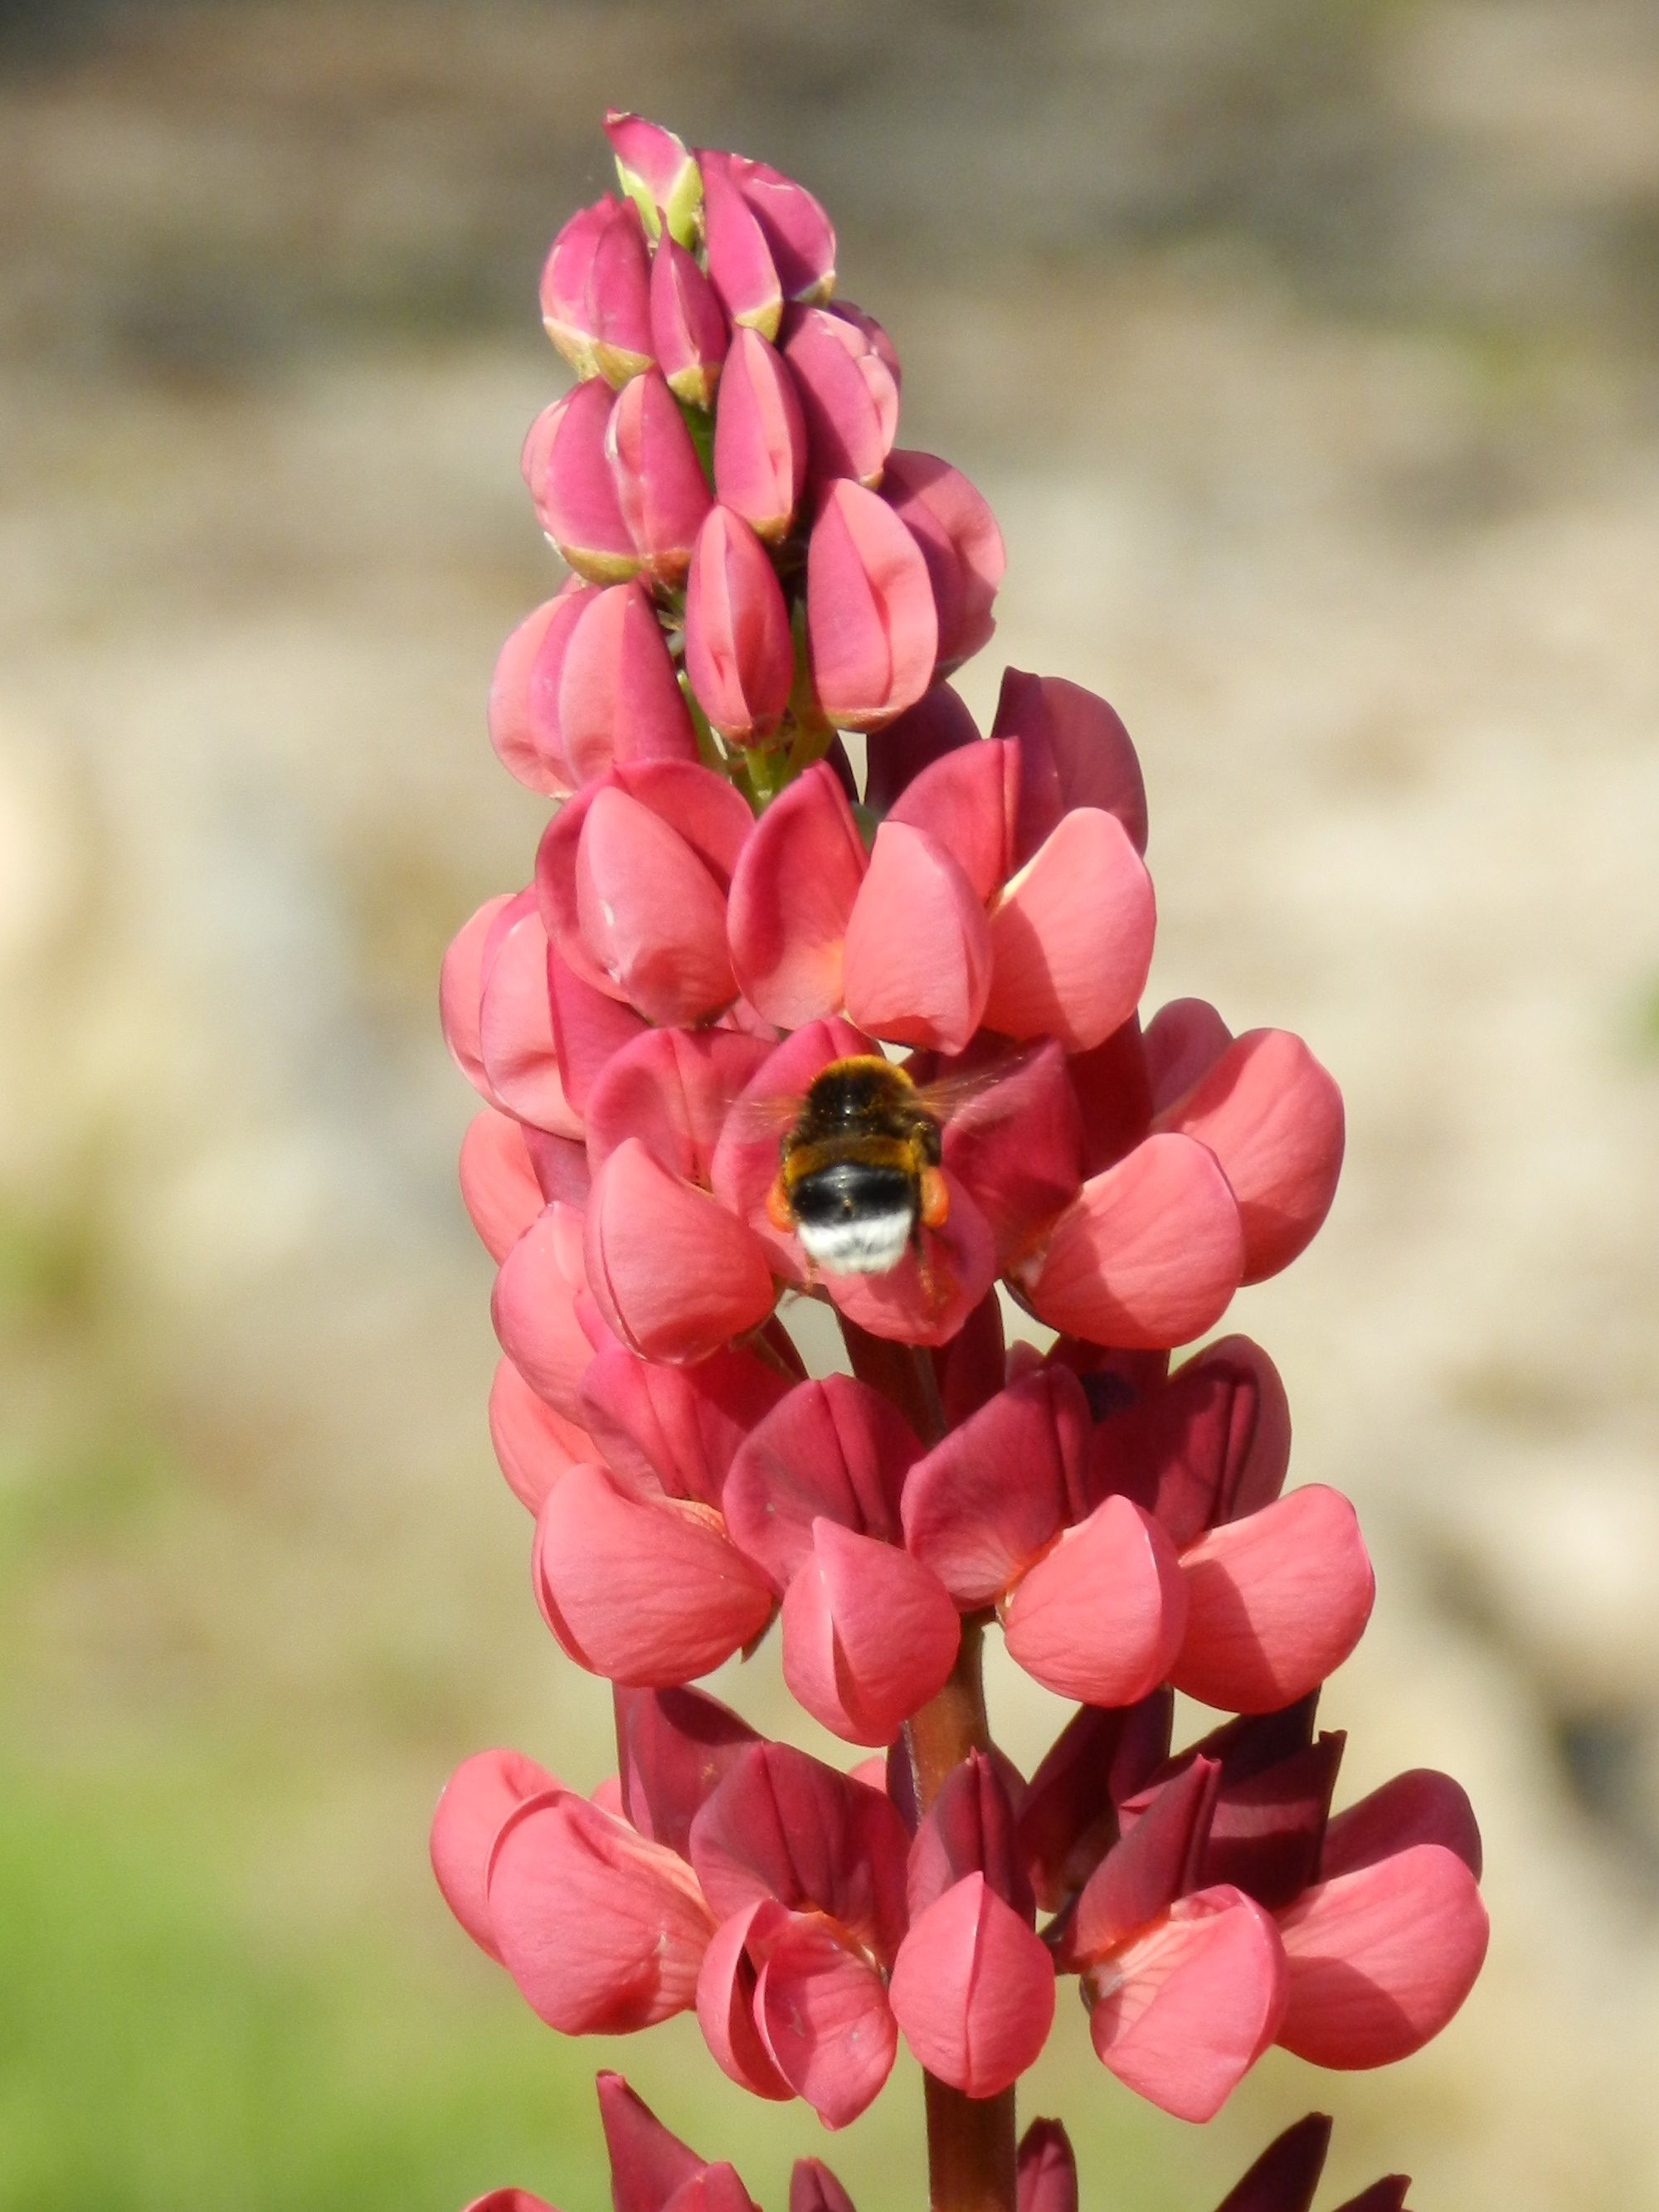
(855, 1218)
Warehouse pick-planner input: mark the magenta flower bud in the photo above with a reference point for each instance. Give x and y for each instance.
(960, 543)
(596, 292)
(617, 698)
(738, 651)
(567, 468)
(768, 239)
(688, 325)
(870, 626)
(1048, 2169)
(524, 694)
(658, 174)
(661, 489)
(847, 394)
(760, 438)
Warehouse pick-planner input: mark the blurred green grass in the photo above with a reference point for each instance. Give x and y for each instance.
(160, 2051)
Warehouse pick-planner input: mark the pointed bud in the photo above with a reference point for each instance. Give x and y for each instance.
(595, 292)
(647, 2164)
(872, 628)
(567, 468)
(848, 394)
(739, 652)
(797, 233)
(688, 327)
(740, 264)
(1048, 2169)
(660, 486)
(658, 174)
(524, 721)
(1082, 743)
(1285, 2177)
(760, 438)
(813, 2188)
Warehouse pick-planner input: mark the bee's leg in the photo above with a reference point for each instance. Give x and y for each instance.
(779, 1211)
(935, 1210)
(935, 1287)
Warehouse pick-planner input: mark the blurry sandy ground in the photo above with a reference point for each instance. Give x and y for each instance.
(1306, 353)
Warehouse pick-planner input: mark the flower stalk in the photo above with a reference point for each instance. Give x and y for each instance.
(757, 1031)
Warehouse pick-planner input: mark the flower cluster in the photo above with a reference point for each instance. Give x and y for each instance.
(724, 918)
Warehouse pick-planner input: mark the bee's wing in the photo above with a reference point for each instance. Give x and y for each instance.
(753, 1118)
(952, 1094)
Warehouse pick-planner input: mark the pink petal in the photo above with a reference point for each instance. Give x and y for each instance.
(1071, 936)
(1018, 1148)
(1048, 2169)
(970, 1829)
(868, 1636)
(1381, 1958)
(534, 1310)
(649, 1593)
(1211, 1444)
(602, 1932)
(618, 297)
(1184, 1039)
(1419, 1807)
(918, 959)
(477, 1798)
(647, 2164)
(1274, 1118)
(674, 1275)
(1285, 2177)
(847, 395)
(670, 1089)
(1100, 1619)
(1275, 1602)
(1182, 2013)
(509, 2200)
(1148, 1254)
(871, 625)
(515, 1030)
(498, 1181)
(938, 724)
(1113, 1097)
(824, 2012)
(833, 1449)
(726, 2004)
(973, 1989)
(740, 264)
(673, 1747)
(968, 1518)
(618, 698)
(566, 306)
(535, 1444)
(660, 486)
(650, 915)
(571, 483)
(1153, 1861)
(739, 654)
(967, 801)
(960, 542)
(927, 1300)
(1093, 763)
(799, 234)
(715, 2188)
(760, 438)
(793, 894)
(677, 1429)
(784, 1826)
(688, 327)
(524, 725)
(460, 987)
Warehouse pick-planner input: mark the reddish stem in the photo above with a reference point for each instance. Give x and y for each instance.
(970, 2140)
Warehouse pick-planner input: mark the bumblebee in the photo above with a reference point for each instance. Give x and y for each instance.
(859, 1177)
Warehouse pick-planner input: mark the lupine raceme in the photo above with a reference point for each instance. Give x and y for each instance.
(762, 1029)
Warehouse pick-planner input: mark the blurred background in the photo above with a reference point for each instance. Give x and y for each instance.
(1306, 351)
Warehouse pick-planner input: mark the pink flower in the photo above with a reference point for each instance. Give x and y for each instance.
(960, 543)
(688, 330)
(848, 394)
(768, 240)
(662, 490)
(760, 438)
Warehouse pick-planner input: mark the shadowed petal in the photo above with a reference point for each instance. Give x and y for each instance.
(534, 1443)
(1275, 1602)
(1381, 1958)
(834, 1450)
(677, 1429)
(534, 1309)
(824, 2013)
(1419, 1807)
(670, 1089)
(1048, 2169)
(1285, 2177)
(918, 957)
(674, 1273)
(673, 1747)
(793, 894)
(992, 1496)
(725, 2002)
(1084, 744)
